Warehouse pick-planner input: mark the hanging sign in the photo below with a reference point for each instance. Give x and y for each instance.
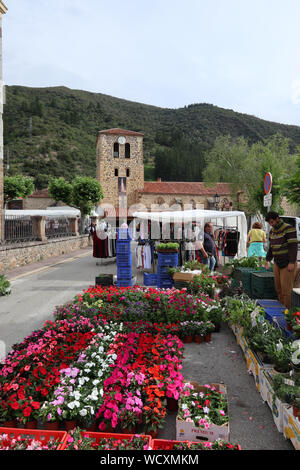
(268, 183)
(268, 200)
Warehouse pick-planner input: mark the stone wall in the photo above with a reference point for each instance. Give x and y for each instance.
(31, 252)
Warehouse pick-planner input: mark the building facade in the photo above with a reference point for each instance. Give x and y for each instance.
(3, 10)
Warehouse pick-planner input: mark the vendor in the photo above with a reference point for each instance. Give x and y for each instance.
(210, 246)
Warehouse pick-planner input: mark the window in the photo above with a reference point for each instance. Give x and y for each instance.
(116, 150)
(116, 172)
(127, 172)
(127, 150)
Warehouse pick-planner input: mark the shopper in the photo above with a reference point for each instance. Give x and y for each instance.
(209, 246)
(255, 240)
(283, 249)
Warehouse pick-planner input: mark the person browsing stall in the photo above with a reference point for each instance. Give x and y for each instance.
(283, 249)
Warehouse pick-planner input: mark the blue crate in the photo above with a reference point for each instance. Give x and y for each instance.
(125, 282)
(167, 259)
(124, 259)
(162, 272)
(150, 279)
(123, 234)
(280, 322)
(124, 272)
(165, 283)
(269, 303)
(274, 314)
(123, 248)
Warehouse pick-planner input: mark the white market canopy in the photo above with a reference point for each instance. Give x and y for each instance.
(226, 219)
(43, 212)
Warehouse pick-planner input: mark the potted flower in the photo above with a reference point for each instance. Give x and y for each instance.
(296, 406)
(186, 332)
(280, 355)
(295, 357)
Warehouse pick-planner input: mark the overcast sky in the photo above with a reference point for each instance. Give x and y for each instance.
(237, 54)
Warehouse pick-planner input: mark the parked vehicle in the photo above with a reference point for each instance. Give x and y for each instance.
(294, 221)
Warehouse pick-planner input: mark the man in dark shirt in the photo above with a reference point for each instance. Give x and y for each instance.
(209, 246)
(283, 248)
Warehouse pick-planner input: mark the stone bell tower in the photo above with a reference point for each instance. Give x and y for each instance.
(120, 167)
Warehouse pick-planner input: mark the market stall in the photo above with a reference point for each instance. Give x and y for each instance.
(158, 225)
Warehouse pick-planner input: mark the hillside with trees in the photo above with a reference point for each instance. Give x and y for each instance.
(51, 132)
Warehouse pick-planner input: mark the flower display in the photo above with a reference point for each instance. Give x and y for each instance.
(203, 408)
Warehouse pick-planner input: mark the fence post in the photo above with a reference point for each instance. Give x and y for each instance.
(74, 226)
(39, 228)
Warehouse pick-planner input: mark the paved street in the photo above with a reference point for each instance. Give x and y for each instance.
(37, 289)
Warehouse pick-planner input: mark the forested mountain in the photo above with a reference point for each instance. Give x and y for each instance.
(52, 132)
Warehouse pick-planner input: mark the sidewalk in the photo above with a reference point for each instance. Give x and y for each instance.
(44, 264)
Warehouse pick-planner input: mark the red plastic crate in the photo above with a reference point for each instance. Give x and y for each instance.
(238, 446)
(38, 434)
(100, 435)
(163, 444)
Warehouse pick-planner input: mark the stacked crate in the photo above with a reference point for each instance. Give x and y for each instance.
(124, 258)
(165, 260)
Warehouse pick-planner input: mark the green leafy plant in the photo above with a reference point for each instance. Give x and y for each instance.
(4, 285)
(169, 246)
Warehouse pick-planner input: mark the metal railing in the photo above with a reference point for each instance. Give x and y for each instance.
(18, 229)
(58, 227)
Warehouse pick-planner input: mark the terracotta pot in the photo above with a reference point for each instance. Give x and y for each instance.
(198, 339)
(30, 425)
(296, 412)
(70, 424)
(207, 337)
(12, 423)
(172, 404)
(52, 426)
(187, 339)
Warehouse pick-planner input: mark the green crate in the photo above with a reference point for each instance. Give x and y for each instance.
(263, 286)
(244, 276)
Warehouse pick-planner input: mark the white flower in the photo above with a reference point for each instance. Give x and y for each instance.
(71, 405)
(95, 382)
(83, 412)
(206, 410)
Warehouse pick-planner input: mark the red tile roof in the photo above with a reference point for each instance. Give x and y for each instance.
(118, 131)
(168, 187)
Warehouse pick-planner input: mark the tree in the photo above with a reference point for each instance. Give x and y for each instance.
(83, 193)
(291, 186)
(17, 186)
(244, 166)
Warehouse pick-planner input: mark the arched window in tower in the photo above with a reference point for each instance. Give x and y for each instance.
(127, 150)
(127, 172)
(116, 150)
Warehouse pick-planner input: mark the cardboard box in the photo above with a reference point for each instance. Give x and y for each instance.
(187, 431)
(266, 386)
(181, 276)
(291, 427)
(278, 410)
(254, 365)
